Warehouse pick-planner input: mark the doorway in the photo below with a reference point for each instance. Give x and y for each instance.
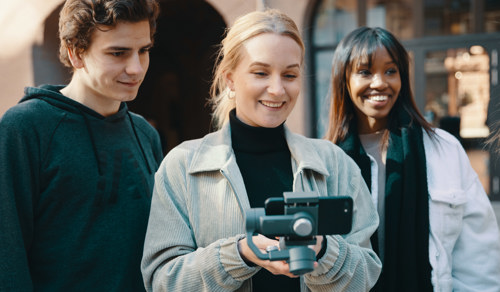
(174, 94)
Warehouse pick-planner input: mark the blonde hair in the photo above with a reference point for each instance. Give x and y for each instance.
(230, 53)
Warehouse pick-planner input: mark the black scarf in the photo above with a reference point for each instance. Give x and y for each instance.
(406, 265)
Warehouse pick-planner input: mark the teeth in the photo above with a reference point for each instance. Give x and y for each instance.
(378, 97)
(272, 104)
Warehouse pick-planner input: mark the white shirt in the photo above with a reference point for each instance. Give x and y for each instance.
(372, 145)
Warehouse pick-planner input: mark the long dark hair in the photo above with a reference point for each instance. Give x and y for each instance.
(358, 45)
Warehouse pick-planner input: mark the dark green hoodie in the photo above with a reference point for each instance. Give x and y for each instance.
(75, 193)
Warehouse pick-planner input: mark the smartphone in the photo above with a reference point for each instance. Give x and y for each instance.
(334, 213)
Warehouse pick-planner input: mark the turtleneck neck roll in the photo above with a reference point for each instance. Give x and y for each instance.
(250, 139)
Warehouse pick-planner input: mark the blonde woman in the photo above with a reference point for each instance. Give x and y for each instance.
(195, 239)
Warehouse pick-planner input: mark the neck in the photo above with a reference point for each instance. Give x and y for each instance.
(82, 94)
(370, 126)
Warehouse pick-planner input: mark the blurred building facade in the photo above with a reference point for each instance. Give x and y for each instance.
(454, 46)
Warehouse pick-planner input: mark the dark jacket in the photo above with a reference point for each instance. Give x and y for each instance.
(75, 192)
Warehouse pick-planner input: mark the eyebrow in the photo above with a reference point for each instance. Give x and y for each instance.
(267, 65)
(148, 46)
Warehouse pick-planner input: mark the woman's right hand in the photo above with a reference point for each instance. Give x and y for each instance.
(262, 242)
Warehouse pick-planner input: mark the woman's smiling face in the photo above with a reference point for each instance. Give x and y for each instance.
(266, 80)
(374, 89)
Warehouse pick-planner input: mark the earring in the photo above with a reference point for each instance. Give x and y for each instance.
(232, 94)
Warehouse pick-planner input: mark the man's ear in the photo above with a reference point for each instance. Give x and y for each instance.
(75, 58)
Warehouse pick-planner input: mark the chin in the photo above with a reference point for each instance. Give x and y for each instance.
(271, 124)
(128, 97)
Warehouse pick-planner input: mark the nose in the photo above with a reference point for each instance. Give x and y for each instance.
(137, 64)
(276, 87)
(378, 82)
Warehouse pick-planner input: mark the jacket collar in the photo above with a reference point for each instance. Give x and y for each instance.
(215, 150)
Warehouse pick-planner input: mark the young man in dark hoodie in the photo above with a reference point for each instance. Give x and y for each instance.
(76, 167)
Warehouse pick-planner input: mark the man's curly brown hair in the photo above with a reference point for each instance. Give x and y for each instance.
(80, 18)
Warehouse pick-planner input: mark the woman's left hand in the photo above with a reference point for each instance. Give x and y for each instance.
(318, 245)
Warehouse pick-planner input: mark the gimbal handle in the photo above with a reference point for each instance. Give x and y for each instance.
(253, 216)
(300, 258)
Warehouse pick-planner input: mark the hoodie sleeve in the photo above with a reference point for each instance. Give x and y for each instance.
(19, 182)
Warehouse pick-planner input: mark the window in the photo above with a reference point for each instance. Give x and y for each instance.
(447, 17)
(458, 89)
(492, 16)
(394, 15)
(334, 19)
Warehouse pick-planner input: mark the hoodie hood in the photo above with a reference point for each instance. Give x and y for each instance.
(52, 95)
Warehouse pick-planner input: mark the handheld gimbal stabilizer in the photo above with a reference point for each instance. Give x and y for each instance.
(300, 217)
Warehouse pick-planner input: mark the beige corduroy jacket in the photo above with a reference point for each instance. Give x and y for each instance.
(197, 216)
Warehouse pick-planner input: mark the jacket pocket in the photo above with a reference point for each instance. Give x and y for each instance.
(446, 209)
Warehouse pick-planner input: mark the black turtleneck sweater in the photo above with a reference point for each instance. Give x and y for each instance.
(264, 160)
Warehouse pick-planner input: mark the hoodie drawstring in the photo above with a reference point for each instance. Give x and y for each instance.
(92, 141)
(139, 142)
